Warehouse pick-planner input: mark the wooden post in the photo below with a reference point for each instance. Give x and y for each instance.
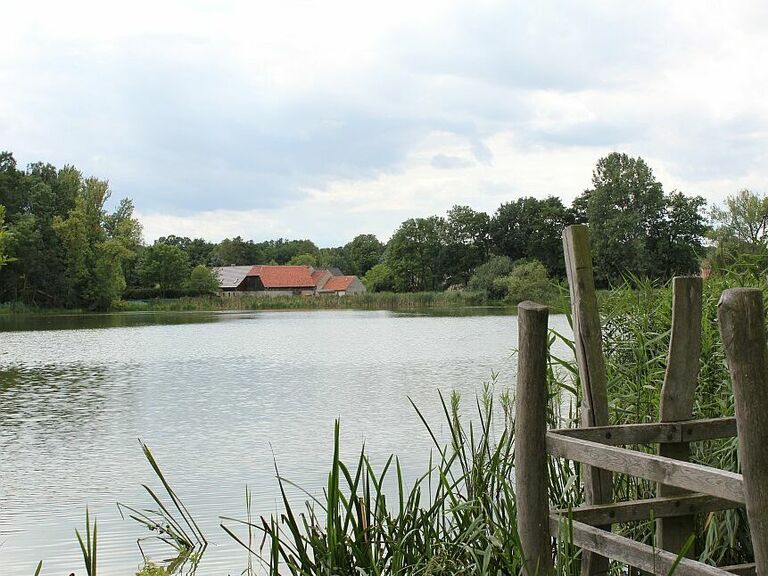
(742, 328)
(598, 484)
(531, 481)
(677, 399)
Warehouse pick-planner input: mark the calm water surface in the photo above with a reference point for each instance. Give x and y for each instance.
(217, 397)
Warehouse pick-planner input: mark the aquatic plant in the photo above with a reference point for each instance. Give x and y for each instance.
(171, 523)
(87, 546)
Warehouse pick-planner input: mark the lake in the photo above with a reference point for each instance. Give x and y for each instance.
(218, 397)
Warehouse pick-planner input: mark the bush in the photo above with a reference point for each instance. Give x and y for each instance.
(379, 279)
(486, 275)
(152, 293)
(203, 280)
(526, 281)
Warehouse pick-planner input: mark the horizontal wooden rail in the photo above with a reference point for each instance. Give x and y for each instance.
(655, 432)
(642, 556)
(694, 477)
(639, 510)
(741, 569)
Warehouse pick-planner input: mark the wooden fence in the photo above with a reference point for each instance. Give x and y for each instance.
(684, 488)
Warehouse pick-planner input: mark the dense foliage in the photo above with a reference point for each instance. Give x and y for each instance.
(60, 246)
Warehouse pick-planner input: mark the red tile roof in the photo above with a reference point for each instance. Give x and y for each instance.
(284, 276)
(338, 283)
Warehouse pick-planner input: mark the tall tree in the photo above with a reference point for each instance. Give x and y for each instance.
(4, 258)
(95, 247)
(362, 254)
(532, 229)
(413, 254)
(466, 243)
(679, 246)
(635, 227)
(741, 229)
(164, 266)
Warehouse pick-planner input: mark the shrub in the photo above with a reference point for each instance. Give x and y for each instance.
(152, 293)
(203, 280)
(486, 274)
(526, 281)
(379, 279)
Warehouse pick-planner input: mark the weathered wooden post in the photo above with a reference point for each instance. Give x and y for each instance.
(598, 483)
(742, 328)
(677, 396)
(531, 481)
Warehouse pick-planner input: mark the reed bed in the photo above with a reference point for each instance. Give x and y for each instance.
(364, 301)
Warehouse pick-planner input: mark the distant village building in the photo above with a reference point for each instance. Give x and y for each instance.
(285, 281)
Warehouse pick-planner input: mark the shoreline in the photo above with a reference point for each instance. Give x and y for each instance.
(367, 301)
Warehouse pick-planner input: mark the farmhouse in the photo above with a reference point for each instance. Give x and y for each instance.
(285, 281)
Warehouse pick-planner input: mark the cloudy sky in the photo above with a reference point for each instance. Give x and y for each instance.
(328, 119)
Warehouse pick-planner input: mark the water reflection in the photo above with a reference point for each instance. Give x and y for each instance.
(217, 397)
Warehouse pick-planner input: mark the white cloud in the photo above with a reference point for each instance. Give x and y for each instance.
(328, 119)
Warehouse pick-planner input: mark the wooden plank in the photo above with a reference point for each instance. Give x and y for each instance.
(741, 569)
(655, 432)
(598, 483)
(639, 510)
(647, 558)
(677, 395)
(531, 474)
(694, 477)
(742, 327)
(709, 429)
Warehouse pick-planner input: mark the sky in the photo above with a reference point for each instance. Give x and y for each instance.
(329, 119)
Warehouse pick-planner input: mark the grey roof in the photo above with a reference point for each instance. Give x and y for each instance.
(231, 276)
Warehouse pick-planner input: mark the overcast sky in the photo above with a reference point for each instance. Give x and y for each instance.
(328, 119)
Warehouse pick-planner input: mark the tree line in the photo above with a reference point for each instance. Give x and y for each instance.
(61, 247)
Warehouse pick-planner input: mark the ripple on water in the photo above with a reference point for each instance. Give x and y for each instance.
(215, 396)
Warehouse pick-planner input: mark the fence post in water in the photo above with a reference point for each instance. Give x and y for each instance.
(677, 398)
(742, 328)
(531, 481)
(598, 484)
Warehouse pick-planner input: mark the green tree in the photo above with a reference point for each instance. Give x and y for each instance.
(362, 254)
(635, 227)
(413, 254)
(379, 279)
(485, 276)
(199, 251)
(94, 255)
(743, 219)
(165, 266)
(526, 281)
(303, 260)
(283, 250)
(203, 280)
(532, 228)
(334, 258)
(466, 244)
(679, 239)
(740, 232)
(237, 252)
(4, 258)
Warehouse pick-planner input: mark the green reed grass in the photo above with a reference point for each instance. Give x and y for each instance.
(171, 522)
(87, 547)
(364, 301)
(459, 517)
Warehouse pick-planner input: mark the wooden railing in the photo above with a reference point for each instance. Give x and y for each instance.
(684, 488)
